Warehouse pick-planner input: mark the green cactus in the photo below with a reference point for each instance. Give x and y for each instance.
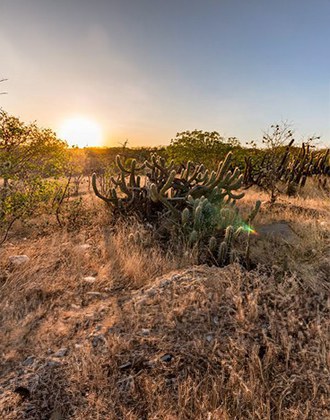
(254, 212)
(213, 244)
(185, 216)
(222, 253)
(193, 237)
(192, 202)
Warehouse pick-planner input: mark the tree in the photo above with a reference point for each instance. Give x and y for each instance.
(201, 147)
(269, 165)
(30, 158)
(26, 150)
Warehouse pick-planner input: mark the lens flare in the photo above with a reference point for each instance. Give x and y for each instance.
(249, 229)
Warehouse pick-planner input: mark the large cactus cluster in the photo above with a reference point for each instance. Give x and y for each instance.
(190, 202)
(291, 167)
(155, 185)
(304, 164)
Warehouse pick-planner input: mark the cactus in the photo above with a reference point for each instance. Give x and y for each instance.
(198, 205)
(213, 243)
(168, 188)
(193, 237)
(185, 216)
(288, 167)
(306, 163)
(225, 252)
(253, 213)
(222, 253)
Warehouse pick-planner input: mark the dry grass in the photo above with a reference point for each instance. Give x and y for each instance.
(237, 344)
(307, 252)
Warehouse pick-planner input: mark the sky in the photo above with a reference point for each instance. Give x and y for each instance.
(144, 70)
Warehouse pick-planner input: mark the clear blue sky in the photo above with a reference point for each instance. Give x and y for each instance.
(146, 69)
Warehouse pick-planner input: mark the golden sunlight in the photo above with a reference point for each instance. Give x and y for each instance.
(81, 132)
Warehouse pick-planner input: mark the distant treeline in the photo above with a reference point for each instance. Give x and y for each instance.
(183, 148)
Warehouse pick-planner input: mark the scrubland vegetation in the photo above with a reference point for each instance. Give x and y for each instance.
(184, 282)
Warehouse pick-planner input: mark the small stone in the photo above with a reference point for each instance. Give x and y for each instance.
(89, 279)
(61, 352)
(166, 358)
(84, 247)
(209, 338)
(18, 259)
(145, 331)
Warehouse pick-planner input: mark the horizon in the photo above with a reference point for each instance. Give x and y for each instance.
(144, 72)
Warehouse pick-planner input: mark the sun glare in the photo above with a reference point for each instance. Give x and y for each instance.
(81, 132)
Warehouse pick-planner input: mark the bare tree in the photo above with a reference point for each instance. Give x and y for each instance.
(268, 170)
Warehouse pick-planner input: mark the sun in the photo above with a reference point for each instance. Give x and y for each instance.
(81, 131)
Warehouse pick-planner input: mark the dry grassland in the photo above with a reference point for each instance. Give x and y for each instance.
(96, 327)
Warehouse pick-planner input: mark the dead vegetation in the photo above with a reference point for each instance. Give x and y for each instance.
(95, 326)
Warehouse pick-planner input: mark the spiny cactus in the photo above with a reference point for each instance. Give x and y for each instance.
(214, 230)
(193, 203)
(306, 163)
(287, 167)
(157, 185)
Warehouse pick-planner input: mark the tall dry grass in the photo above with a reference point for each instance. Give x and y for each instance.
(197, 343)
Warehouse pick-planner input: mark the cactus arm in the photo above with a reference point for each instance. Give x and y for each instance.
(97, 192)
(222, 253)
(168, 183)
(156, 196)
(123, 186)
(224, 166)
(253, 213)
(132, 181)
(120, 165)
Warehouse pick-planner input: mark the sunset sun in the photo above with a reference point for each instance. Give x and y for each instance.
(81, 132)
